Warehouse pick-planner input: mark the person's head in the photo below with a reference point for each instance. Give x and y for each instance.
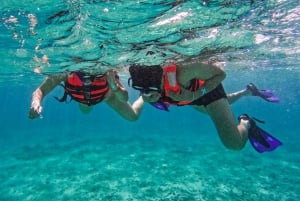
(85, 109)
(146, 79)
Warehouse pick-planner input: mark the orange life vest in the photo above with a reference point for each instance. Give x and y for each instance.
(171, 84)
(86, 89)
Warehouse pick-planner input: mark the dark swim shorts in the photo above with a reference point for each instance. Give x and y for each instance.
(210, 97)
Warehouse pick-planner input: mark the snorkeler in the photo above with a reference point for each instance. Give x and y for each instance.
(88, 90)
(200, 85)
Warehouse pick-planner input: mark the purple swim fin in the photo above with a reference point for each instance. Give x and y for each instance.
(259, 138)
(161, 106)
(263, 141)
(266, 94)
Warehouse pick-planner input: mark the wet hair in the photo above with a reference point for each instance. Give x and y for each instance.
(146, 78)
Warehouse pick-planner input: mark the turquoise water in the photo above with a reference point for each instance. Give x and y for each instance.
(67, 155)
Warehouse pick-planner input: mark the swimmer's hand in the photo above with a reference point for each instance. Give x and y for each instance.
(116, 87)
(112, 81)
(151, 97)
(35, 110)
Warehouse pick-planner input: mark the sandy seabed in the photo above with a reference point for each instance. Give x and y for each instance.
(145, 169)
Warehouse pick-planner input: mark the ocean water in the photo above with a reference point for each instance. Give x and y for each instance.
(164, 156)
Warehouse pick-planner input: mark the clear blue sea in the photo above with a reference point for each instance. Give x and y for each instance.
(164, 156)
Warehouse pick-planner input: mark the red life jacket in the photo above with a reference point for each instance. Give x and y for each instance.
(171, 84)
(86, 89)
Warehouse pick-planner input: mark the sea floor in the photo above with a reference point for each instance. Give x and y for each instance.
(145, 168)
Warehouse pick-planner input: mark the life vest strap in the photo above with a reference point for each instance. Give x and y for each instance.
(170, 79)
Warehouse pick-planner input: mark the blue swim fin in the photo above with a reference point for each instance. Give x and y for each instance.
(161, 106)
(266, 94)
(261, 140)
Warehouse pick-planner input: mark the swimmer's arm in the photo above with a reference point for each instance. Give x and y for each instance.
(37, 96)
(116, 87)
(211, 73)
(128, 112)
(120, 92)
(47, 86)
(213, 76)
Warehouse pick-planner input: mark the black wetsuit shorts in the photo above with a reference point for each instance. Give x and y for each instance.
(210, 97)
